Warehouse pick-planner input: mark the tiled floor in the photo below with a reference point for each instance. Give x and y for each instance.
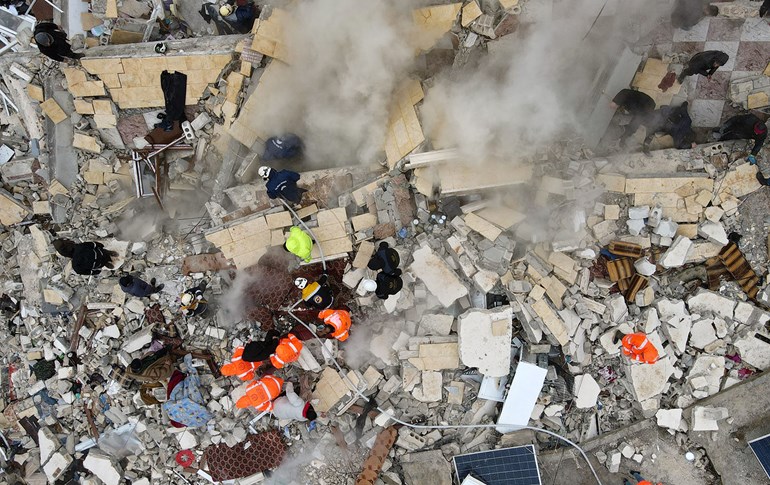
(747, 42)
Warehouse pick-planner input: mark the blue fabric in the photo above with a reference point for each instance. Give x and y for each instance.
(281, 147)
(283, 183)
(185, 405)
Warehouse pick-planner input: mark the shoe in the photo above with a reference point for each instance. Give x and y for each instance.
(159, 288)
(152, 282)
(203, 285)
(734, 237)
(762, 180)
(617, 337)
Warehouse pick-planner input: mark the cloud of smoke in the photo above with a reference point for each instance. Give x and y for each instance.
(347, 57)
(233, 301)
(530, 88)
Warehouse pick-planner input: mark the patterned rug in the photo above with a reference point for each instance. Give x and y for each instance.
(265, 452)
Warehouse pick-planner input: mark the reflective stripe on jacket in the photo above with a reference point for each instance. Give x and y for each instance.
(239, 367)
(639, 348)
(340, 320)
(287, 351)
(261, 393)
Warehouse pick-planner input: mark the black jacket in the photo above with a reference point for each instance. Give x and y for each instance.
(388, 284)
(138, 287)
(89, 258)
(60, 48)
(703, 62)
(675, 122)
(385, 259)
(764, 8)
(635, 102)
(741, 127)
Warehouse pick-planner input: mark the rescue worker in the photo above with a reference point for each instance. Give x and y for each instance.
(671, 121)
(288, 350)
(639, 105)
(52, 42)
(704, 63)
(385, 259)
(639, 348)
(318, 294)
(385, 285)
(744, 127)
(261, 393)
(193, 302)
(299, 244)
(337, 323)
(239, 367)
(282, 183)
(138, 287)
(88, 258)
(282, 147)
(764, 8)
(293, 407)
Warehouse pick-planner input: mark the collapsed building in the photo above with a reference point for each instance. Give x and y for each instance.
(519, 273)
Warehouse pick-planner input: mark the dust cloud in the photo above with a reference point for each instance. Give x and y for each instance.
(347, 58)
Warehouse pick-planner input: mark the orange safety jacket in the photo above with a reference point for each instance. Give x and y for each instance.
(239, 367)
(647, 482)
(639, 348)
(261, 393)
(287, 351)
(340, 320)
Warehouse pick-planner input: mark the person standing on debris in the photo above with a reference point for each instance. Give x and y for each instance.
(137, 287)
(671, 121)
(744, 127)
(291, 406)
(260, 394)
(52, 41)
(704, 63)
(639, 105)
(639, 348)
(687, 13)
(282, 147)
(288, 350)
(385, 259)
(336, 323)
(87, 258)
(282, 183)
(193, 302)
(318, 294)
(385, 285)
(299, 244)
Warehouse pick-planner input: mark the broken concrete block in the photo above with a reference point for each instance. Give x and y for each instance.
(439, 279)
(666, 228)
(586, 391)
(714, 214)
(649, 380)
(431, 388)
(52, 109)
(669, 418)
(103, 467)
(706, 301)
(617, 307)
(635, 226)
(57, 465)
(87, 143)
(48, 444)
(702, 333)
(480, 347)
(705, 418)
(436, 357)
(714, 232)
(754, 351)
(677, 253)
(641, 212)
(435, 324)
(644, 267)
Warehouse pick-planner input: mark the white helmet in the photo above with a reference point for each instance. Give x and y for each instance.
(300, 283)
(187, 298)
(225, 10)
(369, 285)
(264, 172)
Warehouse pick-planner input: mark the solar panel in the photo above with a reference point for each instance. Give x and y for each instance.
(506, 466)
(761, 448)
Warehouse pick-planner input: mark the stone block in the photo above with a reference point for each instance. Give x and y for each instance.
(483, 227)
(103, 467)
(677, 253)
(430, 389)
(480, 347)
(434, 357)
(439, 279)
(713, 231)
(52, 109)
(586, 391)
(706, 301)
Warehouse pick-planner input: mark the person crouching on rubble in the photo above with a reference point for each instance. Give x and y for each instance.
(138, 287)
(291, 406)
(317, 294)
(299, 244)
(282, 183)
(638, 347)
(88, 258)
(193, 302)
(385, 285)
(336, 324)
(260, 394)
(247, 359)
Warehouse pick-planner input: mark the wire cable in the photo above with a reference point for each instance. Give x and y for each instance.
(320, 249)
